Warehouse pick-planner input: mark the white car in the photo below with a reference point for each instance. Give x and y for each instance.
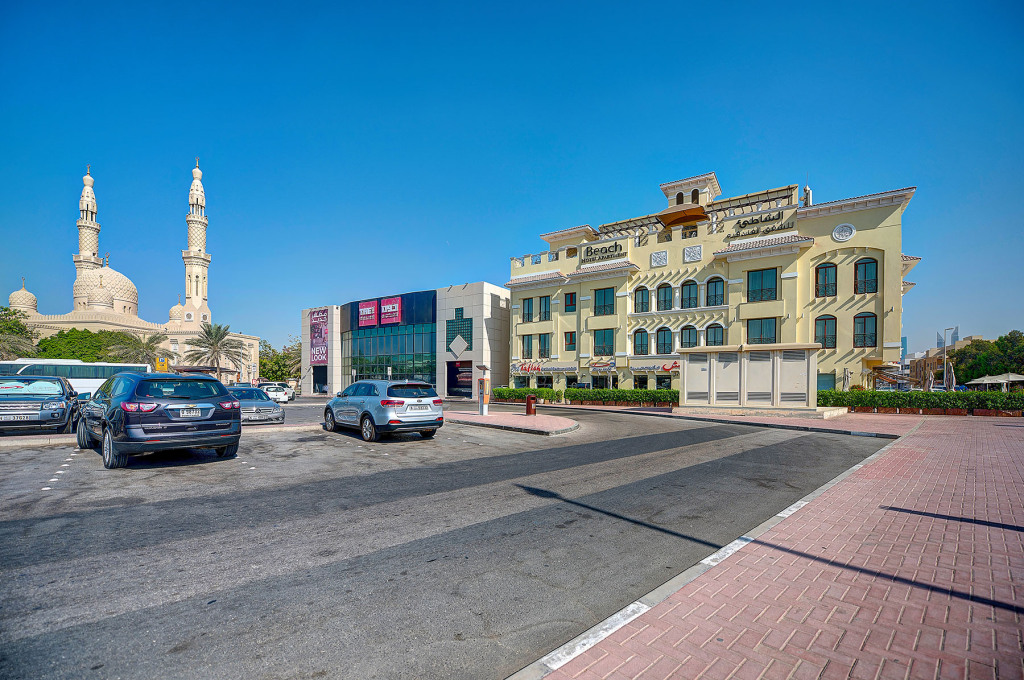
(282, 385)
(276, 393)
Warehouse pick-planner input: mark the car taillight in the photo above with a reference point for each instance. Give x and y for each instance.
(133, 406)
(392, 402)
(228, 405)
(438, 402)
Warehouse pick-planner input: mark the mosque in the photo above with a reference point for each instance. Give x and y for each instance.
(105, 299)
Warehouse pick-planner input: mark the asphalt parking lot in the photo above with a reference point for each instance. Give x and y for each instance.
(315, 554)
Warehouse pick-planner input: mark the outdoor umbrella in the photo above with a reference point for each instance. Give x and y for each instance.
(846, 380)
(950, 379)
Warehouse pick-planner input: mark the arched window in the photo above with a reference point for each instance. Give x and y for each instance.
(640, 345)
(664, 297)
(695, 196)
(641, 300)
(690, 298)
(680, 199)
(716, 292)
(688, 338)
(715, 335)
(864, 326)
(825, 280)
(664, 338)
(865, 276)
(825, 331)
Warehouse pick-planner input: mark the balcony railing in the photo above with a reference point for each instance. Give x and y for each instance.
(544, 353)
(866, 285)
(640, 349)
(826, 341)
(604, 310)
(604, 350)
(864, 340)
(760, 294)
(642, 307)
(544, 316)
(664, 348)
(527, 317)
(714, 300)
(689, 302)
(761, 340)
(825, 290)
(664, 305)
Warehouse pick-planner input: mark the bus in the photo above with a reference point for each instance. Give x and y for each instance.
(84, 377)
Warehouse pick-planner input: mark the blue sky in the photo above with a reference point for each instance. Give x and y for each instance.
(352, 150)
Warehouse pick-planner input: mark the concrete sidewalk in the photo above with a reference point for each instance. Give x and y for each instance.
(516, 422)
(910, 567)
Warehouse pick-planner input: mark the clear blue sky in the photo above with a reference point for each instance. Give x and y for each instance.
(358, 150)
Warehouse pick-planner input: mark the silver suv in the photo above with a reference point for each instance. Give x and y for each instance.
(376, 407)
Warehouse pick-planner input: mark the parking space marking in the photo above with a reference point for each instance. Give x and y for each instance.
(45, 488)
(53, 480)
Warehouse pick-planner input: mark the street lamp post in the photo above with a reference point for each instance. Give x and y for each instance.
(945, 375)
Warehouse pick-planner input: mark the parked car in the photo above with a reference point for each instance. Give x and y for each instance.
(276, 393)
(383, 406)
(256, 406)
(37, 403)
(283, 385)
(135, 413)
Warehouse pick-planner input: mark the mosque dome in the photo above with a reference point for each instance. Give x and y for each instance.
(101, 297)
(119, 285)
(22, 299)
(176, 312)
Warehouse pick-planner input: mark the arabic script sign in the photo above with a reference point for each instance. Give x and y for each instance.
(368, 313)
(762, 224)
(391, 310)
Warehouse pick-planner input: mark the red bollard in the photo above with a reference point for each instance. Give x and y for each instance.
(531, 404)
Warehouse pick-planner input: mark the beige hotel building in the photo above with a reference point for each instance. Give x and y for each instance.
(611, 306)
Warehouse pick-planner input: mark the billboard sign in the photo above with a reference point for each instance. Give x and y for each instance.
(368, 313)
(391, 310)
(318, 337)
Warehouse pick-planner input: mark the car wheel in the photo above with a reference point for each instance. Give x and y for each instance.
(369, 430)
(228, 451)
(428, 434)
(82, 436)
(69, 426)
(111, 458)
(329, 421)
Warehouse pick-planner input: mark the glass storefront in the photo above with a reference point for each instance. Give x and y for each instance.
(410, 351)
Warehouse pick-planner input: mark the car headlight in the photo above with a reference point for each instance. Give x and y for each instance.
(277, 409)
(55, 404)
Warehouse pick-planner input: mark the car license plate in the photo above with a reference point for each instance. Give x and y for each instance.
(419, 407)
(257, 417)
(191, 412)
(15, 417)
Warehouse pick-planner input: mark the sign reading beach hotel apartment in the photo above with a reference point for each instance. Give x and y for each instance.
(318, 337)
(368, 313)
(593, 254)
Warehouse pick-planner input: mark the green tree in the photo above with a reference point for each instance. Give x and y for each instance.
(81, 344)
(214, 346)
(140, 349)
(984, 357)
(15, 336)
(279, 365)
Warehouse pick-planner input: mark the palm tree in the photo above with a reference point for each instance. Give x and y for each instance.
(213, 345)
(13, 346)
(140, 349)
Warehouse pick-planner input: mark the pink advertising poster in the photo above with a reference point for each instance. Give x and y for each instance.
(391, 310)
(318, 337)
(368, 313)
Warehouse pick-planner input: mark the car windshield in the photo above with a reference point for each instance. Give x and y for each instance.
(251, 393)
(411, 391)
(20, 387)
(273, 388)
(181, 389)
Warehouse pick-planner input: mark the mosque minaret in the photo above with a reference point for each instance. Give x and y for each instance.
(105, 299)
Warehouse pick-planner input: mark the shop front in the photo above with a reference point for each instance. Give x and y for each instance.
(653, 375)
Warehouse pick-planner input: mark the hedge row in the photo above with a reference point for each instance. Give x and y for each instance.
(577, 395)
(546, 393)
(1008, 401)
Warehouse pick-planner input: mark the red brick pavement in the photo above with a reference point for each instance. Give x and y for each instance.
(911, 567)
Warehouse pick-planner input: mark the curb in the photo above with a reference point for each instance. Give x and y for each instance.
(514, 428)
(778, 426)
(581, 643)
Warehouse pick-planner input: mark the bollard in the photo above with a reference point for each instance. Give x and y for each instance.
(531, 404)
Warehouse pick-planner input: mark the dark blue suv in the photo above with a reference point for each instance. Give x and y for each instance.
(140, 413)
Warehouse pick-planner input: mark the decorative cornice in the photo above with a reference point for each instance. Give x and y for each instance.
(880, 200)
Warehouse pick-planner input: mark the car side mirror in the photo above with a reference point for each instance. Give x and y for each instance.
(72, 394)
(84, 396)
(338, 394)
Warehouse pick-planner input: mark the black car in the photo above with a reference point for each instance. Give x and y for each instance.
(37, 403)
(140, 413)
